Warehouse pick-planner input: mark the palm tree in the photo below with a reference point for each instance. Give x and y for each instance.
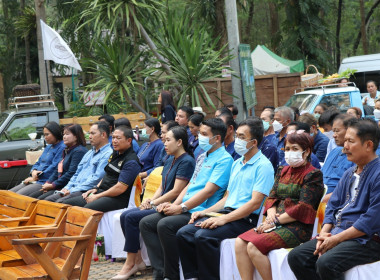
(113, 67)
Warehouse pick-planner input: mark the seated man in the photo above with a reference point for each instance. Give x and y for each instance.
(267, 116)
(127, 123)
(114, 190)
(111, 122)
(90, 169)
(251, 180)
(206, 187)
(229, 140)
(349, 236)
(283, 116)
(336, 162)
(320, 140)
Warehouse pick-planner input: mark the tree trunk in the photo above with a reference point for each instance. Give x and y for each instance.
(357, 41)
(46, 83)
(2, 94)
(337, 42)
(363, 27)
(28, 72)
(274, 25)
(135, 104)
(220, 28)
(251, 11)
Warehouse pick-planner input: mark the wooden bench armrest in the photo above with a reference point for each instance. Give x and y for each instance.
(30, 241)
(16, 219)
(27, 230)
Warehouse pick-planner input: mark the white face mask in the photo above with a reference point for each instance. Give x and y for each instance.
(277, 126)
(240, 146)
(376, 113)
(294, 158)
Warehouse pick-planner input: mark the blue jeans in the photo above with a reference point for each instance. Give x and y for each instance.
(332, 264)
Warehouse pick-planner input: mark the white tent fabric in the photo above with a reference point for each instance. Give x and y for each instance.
(265, 64)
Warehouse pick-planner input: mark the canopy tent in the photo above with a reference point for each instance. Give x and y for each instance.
(362, 63)
(266, 62)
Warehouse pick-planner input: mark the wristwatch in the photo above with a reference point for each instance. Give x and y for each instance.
(152, 203)
(184, 208)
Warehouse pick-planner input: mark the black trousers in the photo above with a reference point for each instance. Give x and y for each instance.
(199, 249)
(332, 264)
(159, 234)
(103, 204)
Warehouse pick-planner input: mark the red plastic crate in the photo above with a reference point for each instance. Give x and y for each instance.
(12, 163)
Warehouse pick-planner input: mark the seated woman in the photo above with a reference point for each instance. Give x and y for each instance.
(194, 124)
(164, 129)
(75, 143)
(47, 163)
(149, 153)
(290, 209)
(176, 174)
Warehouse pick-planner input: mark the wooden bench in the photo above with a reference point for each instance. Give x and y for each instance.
(59, 260)
(44, 221)
(14, 211)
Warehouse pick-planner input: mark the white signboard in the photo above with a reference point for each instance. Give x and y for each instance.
(94, 98)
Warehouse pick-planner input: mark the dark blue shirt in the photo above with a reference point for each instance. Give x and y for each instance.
(362, 210)
(271, 138)
(320, 146)
(193, 143)
(149, 155)
(168, 114)
(163, 157)
(334, 167)
(48, 161)
(231, 150)
(72, 158)
(181, 168)
(280, 143)
(270, 151)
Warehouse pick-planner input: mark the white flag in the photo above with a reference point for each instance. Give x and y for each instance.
(56, 49)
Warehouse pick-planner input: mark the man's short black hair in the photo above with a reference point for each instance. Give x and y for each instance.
(123, 121)
(229, 119)
(256, 128)
(327, 117)
(108, 118)
(235, 110)
(217, 127)
(189, 111)
(103, 127)
(367, 130)
(127, 132)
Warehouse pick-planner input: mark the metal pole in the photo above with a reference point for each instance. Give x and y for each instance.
(47, 78)
(73, 84)
(233, 44)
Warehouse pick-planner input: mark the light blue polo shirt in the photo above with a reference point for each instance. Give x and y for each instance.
(214, 168)
(255, 175)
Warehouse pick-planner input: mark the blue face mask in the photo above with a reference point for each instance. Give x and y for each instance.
(266, 125)
(204, 142)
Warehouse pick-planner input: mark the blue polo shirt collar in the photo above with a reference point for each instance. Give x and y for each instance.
(101, 149)
(253, 159)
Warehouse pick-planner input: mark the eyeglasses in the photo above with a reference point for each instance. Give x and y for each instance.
(300, 131)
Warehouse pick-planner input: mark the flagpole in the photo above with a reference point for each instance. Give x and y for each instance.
(47, 78)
